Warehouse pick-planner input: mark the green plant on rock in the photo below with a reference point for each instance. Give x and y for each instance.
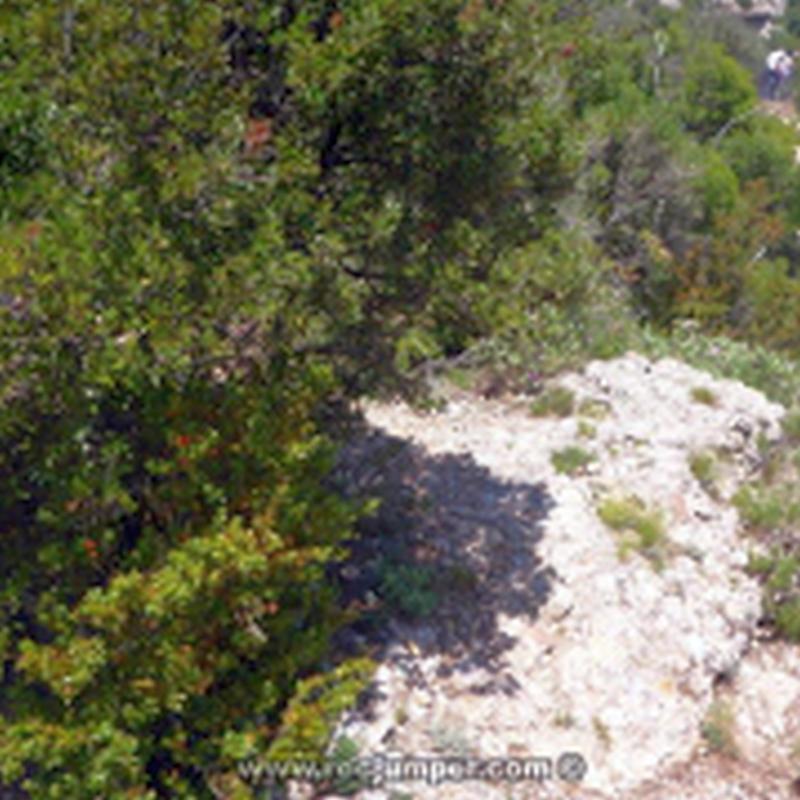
(571, 460)
(703, 467)
(780, 574)
(641, 529)
(718, 729)
(586, 430)
(594, 408)
(704, 396)
(763, 508)
(409, 588)
(554, 401)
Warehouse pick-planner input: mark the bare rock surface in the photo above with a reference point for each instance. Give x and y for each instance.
(546, 640)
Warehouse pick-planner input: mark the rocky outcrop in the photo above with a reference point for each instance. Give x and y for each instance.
(557, 633)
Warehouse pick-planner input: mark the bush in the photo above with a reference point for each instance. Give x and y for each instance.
(642, 529)
(571, 460)
(704, 469)
(718, 729)
(408, 588)
(763, 150)
(556, 401)
(717, 91)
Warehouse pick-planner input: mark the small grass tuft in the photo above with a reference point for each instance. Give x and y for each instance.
(593, 408)
(462, 378)
(705, 396)
(718, 727)
(780, 577)
(555, 401)
(586, 430)
(787, 619)
(642, 529)
(571, 460)
(602, 732)
(703, 467)
(759, 508)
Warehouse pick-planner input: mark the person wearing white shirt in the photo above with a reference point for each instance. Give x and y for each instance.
(780, 64)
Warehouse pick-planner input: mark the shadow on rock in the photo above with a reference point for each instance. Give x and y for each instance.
(450, 549)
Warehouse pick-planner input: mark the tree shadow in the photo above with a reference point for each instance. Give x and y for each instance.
(450, 549)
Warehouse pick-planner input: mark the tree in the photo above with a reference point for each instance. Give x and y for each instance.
(717, 91)
(221, 218)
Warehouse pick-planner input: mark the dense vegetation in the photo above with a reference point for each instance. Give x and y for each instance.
(221, 222)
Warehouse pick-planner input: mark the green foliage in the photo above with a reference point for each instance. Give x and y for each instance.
(641, 528)
(221, 222)
(555, 401)
(586, 430)
(717, 91)
(218, 221)
(315, 707)
(756, 366)
(344, 754)
(780, 574)
(761, 508)
(408, 588)
(718, 729)
(770, 510)
(791, 20)
(571, 460)
(718, 185)
(704, 468)
(763, 150)
(704, 396)
(790, 425)
(594, 408)
(550, 303)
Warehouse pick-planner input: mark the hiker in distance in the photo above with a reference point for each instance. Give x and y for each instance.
(780, 64)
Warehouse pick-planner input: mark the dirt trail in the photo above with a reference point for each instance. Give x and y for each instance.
(785, 110)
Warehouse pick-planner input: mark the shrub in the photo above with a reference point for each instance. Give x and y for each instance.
(780, 574)
(571, 460)
(718, 729)
(409, 588)
(703, 467)
(762, 151)
(760, 508)
(586, 430)
(594, 409)
(642, 529)
(555, 401)
(717, 90)
(718, 186)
